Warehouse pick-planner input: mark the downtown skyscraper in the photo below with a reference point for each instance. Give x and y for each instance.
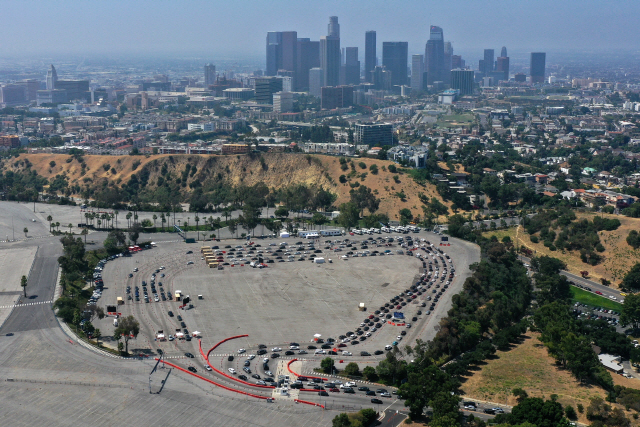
(537, 66)
(330, 60)
(434, 55)
(369, 55)
(395, 56)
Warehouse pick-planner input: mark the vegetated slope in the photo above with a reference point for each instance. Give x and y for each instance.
(276, 170)
(528, 366)
(619, 257)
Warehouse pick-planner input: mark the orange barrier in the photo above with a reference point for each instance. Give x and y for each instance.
(298, 375)
(222, 373)
(308, 403)
(213, 382)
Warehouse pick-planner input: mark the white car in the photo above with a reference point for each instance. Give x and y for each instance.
(208, 368)
(241, 350)
(261, 382)
(294, 347)
(302, 352)
(251, 357)
(320, 351)
(351, 384)
(232, 371)
(276, 349)
(385, 395)
(269, 373)
(347, 353)
(399, 338)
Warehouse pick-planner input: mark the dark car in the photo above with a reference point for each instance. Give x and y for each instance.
(179, 318)
(289, 353)
(247, 363)
(377, 352)
(323, 393)
(261, 352)
(275, 355)
(325, 346)
(243, 377)
(256, 376)
(376, 401)
(363, 388)
(189, 355)
(230, 358)
(192, 369)
(371, 393)
(489, 411)
(311, 347)
(365, 353)
(348, 390)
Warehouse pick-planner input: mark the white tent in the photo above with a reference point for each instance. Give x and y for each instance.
(284, 234)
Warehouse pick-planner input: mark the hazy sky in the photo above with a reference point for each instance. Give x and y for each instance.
(221, 28)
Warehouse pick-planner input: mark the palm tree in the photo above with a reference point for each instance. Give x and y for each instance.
(154, 220)
(26, 230)
(58, 226)
(99, 222)
(116, 213)
(84, 232)
(129, 215)
(49, 218)
(70, 225)
(162, 219)
(197, 229)
(23, 283)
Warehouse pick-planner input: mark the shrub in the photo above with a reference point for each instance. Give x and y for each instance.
(392, 168)
(570, 412)
(342, 179)
(534, 239)
(374, 169)
(362, 165)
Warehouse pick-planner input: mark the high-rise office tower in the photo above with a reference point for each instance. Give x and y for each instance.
(330, 60)
(537, 66)
(274, 52)
(308, 57)
(434, 55)
(395, 56)
(52, 78)
(381, 78)
(334, 27)
(316, 81)
(289, 53)
(265, 88)
(463, 81)
(456, 62)
(448, 53)
(417, 72)
(502, 65)
(503, 52)
(488, 61)
(350, 71)
(369, 54)
(209, 74)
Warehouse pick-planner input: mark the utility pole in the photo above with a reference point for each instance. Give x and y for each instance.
(12, 229)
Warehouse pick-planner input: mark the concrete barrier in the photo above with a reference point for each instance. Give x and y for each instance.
(298, 375)
(206, 357)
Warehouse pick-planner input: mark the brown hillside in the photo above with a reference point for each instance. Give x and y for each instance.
(279, 170)
(619, 257)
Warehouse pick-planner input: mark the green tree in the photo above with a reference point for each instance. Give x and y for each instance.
(281, 212)
(97, 334)
(134, 232)
(405, 216)
(155, 217)
(352, 369)
(537, 411)
(422, 385)
(23, 283)
(49, 218)
(327, 365)
(630, 314)
(363, 198)
(349, 215)
(369, 373)
(25, 230)
(341, 420)
(633, 239)
(128, 328)
(631, 281)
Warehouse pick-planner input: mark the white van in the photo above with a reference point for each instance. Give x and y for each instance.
(115, 322)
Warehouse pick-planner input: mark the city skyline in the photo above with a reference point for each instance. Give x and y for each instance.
(239, 28)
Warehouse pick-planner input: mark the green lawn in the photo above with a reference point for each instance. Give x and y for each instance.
(593, 300)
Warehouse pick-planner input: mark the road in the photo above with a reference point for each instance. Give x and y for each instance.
(607, 291)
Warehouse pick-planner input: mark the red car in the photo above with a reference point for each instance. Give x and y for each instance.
(342, 345)
(334, 390)
(598, 292)
(371, 316)
(351, 233)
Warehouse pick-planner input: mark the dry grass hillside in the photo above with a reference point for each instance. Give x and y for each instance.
(619, 257)
(276, 170)
(528, 366)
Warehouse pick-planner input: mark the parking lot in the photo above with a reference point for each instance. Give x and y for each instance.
(281, 303)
